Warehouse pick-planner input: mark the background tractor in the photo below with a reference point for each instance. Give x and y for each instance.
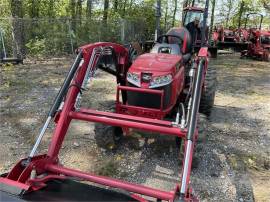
(258, 41)
(189, 14)
(259, 45)
(235, 38)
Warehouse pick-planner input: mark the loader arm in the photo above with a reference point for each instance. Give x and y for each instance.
(37, 171)
(112, 58)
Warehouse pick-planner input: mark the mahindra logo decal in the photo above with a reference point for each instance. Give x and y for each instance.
(146, 77)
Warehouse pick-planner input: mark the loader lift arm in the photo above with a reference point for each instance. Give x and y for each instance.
(32, 174)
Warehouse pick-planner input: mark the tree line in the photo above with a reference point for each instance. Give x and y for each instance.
(47, 26)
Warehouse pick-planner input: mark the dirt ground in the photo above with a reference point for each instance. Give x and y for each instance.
(232, 160)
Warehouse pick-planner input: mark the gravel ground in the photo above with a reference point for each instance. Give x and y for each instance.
(232, 157)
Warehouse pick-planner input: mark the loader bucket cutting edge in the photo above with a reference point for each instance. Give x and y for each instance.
(13, 187)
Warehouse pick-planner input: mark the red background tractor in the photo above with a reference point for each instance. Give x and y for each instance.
(258, 41)
(259, 45)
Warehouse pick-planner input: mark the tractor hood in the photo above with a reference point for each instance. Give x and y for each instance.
(155, 62)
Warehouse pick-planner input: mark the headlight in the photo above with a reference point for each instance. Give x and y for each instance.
(134, 79)
(160, 81)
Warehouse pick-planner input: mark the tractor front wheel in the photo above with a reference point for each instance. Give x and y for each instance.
(108, 137)
(208, 93)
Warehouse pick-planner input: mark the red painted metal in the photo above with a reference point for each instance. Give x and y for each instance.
(127, 123)
(158, 64)
(64, 119)
(127, 117)
(256, 49)
(140, 111)
(107, 181)
(13, 183)
(48, 164)
(184, 43)
(138, 198)
(203, 52)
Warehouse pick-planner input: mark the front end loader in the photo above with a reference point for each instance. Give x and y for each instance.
(160, 92)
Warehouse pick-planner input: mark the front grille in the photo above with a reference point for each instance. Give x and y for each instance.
(149, 100)
(228, 39)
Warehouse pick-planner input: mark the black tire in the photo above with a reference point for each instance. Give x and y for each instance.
(108, 137)
(178, 142)
(208, 93)
(202, 126)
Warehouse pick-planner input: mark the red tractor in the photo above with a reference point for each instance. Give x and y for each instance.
(229, 35)
(191, 12)
(242, 35)
(258, 41)
(230, 38)
(259, 46)
(234, 38)
(161, 92)
(265, 39)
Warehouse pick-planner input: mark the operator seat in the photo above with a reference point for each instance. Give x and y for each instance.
(184, 35)
(182, 45)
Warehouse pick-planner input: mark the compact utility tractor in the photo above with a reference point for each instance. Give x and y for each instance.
(167, 82)
(227, 35)
(238, 39)
(259, 46)
(230, 38)
(258, 41)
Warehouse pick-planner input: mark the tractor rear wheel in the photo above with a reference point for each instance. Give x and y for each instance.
(208, 93)
(108, 137)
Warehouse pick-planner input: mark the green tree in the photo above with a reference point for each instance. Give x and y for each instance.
(105, 11)
(213, 5)
(174, 12)
(89, 9)
(16, 7)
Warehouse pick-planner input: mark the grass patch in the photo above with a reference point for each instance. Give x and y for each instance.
(108, 168)
(242, 162)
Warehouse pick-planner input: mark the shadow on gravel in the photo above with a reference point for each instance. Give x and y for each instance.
(156, 163)
(228, 153)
